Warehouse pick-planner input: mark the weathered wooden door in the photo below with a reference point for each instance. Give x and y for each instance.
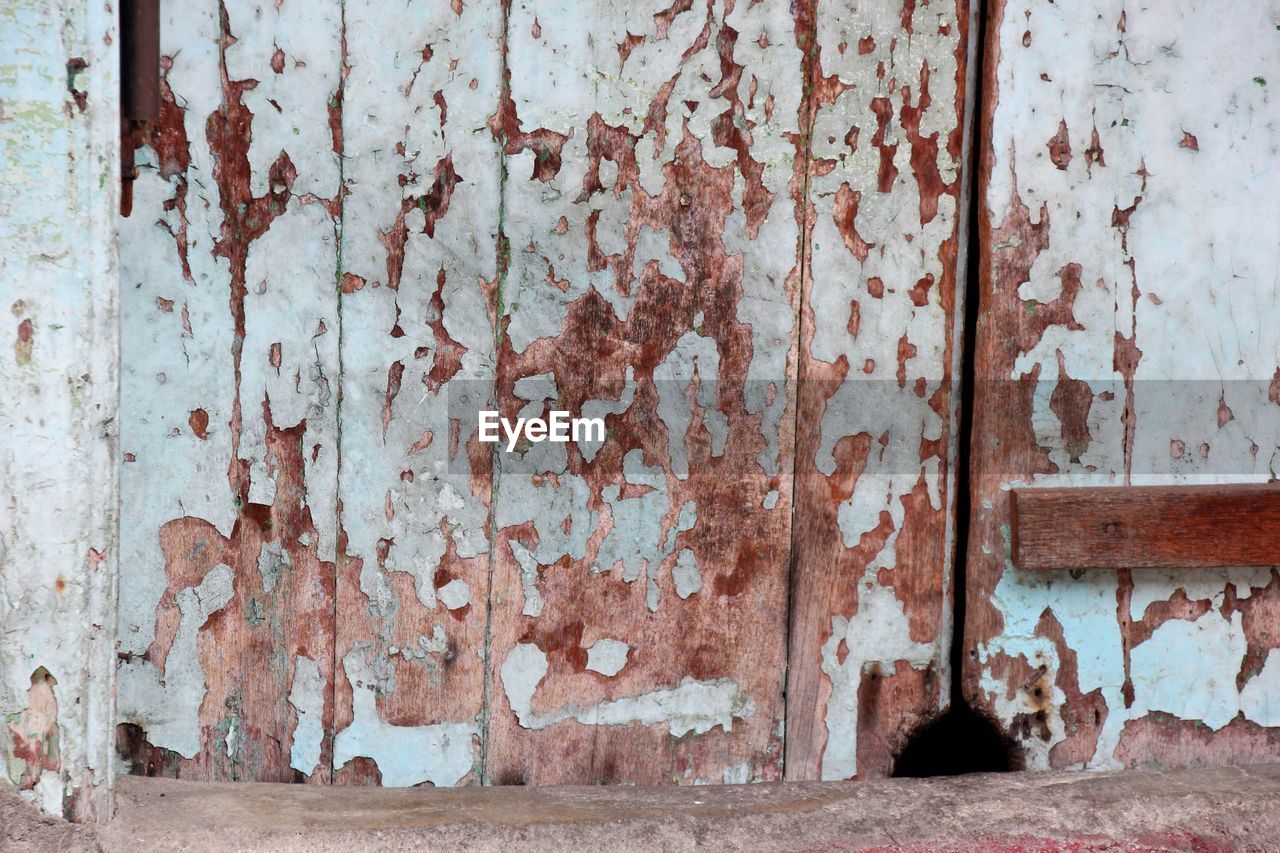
(731, 229)
(737, 232)
(1129, 336)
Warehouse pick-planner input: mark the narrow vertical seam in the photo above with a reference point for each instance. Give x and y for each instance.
(968, 311)
(340, 228)
(502, 254)
(808, 113)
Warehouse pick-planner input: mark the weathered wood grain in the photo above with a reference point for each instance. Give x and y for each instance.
(1128, 260)
(876, 432)
(1138, 527)
(653, 163)
(638, 213)
(229, 401)
(418, 287)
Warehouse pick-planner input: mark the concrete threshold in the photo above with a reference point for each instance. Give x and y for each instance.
(1231, 808)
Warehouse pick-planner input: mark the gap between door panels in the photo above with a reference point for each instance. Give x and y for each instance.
(964, 739)
(949, 738)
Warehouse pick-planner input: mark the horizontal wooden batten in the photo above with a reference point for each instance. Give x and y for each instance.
(1142, 527)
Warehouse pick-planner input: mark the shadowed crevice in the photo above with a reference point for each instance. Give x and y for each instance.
(960, 741)
(963, 740)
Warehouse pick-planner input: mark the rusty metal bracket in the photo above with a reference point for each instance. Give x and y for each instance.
(139, 85)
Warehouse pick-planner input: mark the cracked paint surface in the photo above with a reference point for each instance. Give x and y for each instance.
(1129, 284)
(652, 155)
(419, 261)
(229, 393)
(675, 216)
(59, 167)
(878, 359)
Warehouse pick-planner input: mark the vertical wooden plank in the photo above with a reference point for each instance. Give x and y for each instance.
(59, 146)
(229, 400)
(419, 259)
(1129, 259)
(878, 358)
(654, 177)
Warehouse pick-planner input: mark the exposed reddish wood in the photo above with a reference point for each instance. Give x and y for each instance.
(419, 250)
(33, 734)
(650, 237)
(1140, 527)
(1188, 743)
(870, 590)
(682, 228)
(259, 409)
(1076, 384)
(1001, 411)
(249, 647)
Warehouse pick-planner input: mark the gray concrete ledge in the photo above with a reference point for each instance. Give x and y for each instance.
(1233, 808)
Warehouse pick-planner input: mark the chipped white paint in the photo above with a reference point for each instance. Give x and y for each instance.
(607, 656)
(883, 303)
(455, 594)
(232, 739)
(1140, 138)
(693, 363)
(1155, 585)
(528, 579)
(1152, 269)
(686, 574)
(551, 504)
(876, 636)
(272, 562)
(393, 124)
(230, 354)
(1260, 698)
(178, 360)
(436, 644)
(651, 156)
(59, 173)
(166, 704)
(289, 359)
(419, 253)
(1188, 669)
(881, 397)
(691, 706)
(441, 754)
(1086, 610)
(640, 539)
(307, 697)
